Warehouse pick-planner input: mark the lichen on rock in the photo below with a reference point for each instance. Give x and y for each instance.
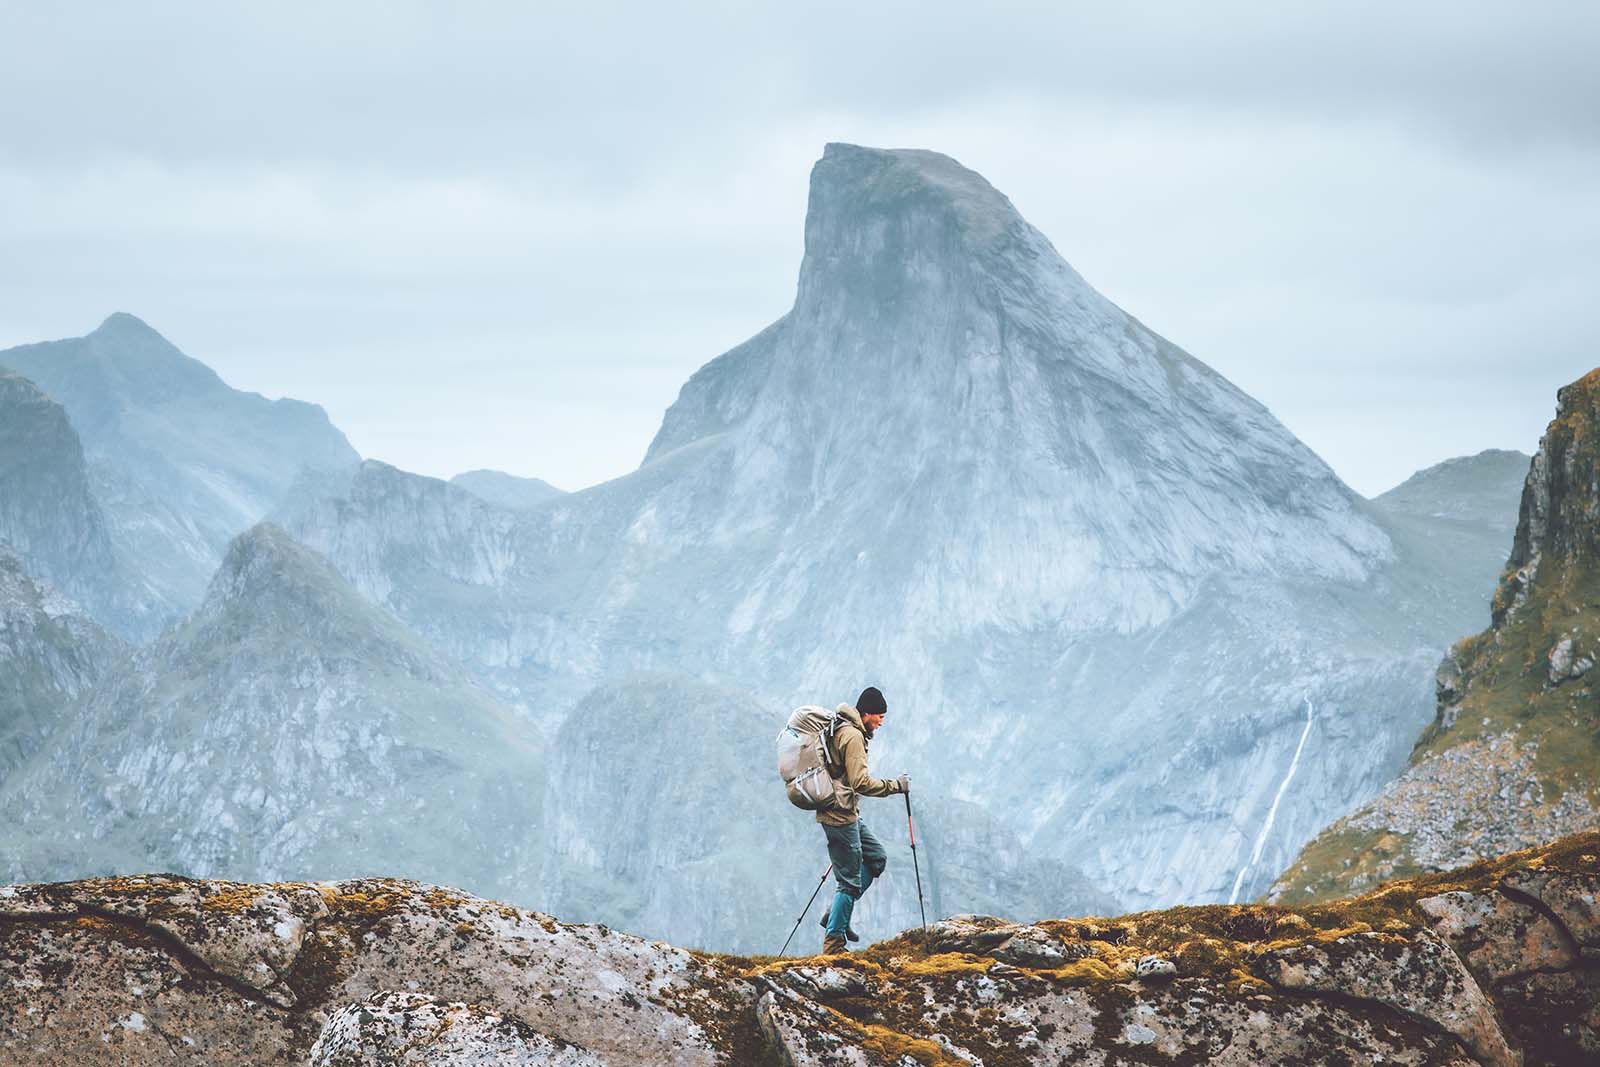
(1483, 966)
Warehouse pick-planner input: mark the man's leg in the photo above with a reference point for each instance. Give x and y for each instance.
(844, 849)
(873, 857)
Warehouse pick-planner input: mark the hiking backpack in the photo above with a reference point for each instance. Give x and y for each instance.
(805, 748)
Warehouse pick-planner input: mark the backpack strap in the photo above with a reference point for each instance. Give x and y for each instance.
(827, 741)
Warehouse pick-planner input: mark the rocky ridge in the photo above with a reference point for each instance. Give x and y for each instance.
(1509, 759)
(1495, 965)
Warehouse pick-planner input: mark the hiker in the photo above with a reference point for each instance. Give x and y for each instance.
(858, 857)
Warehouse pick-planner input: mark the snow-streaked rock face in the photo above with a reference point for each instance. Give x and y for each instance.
(287, 728)
(51, 654)
(1099, 583)
(179, 461)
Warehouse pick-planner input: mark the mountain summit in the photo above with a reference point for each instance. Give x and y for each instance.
(948, 380)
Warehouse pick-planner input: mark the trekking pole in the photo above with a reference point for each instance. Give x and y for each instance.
(912, 830)
(805, 909)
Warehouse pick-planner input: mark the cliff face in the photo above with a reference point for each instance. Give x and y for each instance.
(51, 654)
(51, 518)
(1511, 757)
(1495, 965)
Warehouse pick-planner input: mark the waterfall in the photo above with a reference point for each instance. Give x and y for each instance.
(1272, 812)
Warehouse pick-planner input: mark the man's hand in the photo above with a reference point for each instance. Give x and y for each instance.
(904, 782)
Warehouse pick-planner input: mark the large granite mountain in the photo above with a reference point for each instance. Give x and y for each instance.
(179, 462)
(1113, 600)
(1512, 757)
(51, 654)
(1492, 966)
(287, 729)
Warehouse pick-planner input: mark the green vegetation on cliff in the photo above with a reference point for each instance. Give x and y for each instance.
(1512, 757)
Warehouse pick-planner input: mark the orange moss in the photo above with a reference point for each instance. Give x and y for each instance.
(946, 963)
(232, 897)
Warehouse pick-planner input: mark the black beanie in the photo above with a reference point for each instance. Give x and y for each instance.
(870, 702)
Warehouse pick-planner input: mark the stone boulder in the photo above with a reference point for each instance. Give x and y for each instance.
(1490, 966)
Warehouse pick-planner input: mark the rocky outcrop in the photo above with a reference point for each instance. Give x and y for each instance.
(1509, 760)
(1496, 965)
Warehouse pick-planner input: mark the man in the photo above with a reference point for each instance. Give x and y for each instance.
(858, 857)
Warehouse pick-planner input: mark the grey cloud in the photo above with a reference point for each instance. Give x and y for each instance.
(579, 92)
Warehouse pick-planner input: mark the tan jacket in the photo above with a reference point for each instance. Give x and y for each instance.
(849, 770)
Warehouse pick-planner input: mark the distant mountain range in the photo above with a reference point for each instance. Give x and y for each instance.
(1139, 642)
(288, 728)
(180, 463)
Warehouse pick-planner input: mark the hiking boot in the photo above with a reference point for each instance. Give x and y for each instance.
(849, 931)
(832, 946)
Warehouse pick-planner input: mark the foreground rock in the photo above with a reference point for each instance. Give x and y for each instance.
(1497, 965)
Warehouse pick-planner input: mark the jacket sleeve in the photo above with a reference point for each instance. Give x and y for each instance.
(853, 754)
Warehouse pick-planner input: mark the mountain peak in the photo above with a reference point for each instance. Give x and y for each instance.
(895, 179)
(265, 565)
(124, 325)
(273, 591)
(937, 338)
(890, 220)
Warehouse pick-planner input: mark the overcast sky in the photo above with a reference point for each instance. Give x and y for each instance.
(502, 235)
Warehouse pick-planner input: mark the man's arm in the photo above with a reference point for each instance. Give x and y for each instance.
(853, 753)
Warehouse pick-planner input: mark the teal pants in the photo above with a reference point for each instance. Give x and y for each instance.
(858, 859)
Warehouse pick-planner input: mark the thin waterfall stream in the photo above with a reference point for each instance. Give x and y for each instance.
(1272, 812)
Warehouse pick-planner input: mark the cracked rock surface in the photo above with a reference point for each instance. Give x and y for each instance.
(1492, 965)
(394, 1029)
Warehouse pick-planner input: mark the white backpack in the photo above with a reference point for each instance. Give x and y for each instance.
(805, 748)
